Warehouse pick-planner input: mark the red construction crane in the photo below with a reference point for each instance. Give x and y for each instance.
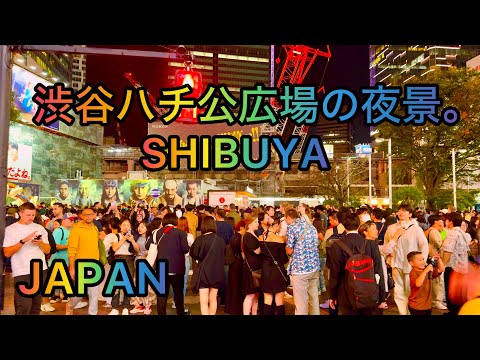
(151, 98)
(298, 61)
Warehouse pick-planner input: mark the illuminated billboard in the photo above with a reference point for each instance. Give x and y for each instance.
(23, 83)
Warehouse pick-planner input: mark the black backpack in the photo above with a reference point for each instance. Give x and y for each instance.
(51, 241)
(329, 242)
(360, 282)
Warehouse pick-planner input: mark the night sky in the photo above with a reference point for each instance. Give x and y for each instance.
(348, 67)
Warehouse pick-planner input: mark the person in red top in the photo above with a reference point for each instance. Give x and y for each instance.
(420, 299)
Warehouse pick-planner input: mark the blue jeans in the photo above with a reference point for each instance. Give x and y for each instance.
(322, 283)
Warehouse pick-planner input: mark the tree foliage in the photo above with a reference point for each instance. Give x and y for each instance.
(444, 197)
(408, 194)
(338, 184)
(428, 148)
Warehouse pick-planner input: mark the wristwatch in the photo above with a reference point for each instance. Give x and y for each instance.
(21, 242)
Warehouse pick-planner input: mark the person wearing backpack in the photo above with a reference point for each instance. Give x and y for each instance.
(334, 233)
(356, 274)
(60, 235)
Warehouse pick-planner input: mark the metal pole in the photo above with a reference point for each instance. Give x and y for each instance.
(370, 179)
(348, 180)
(5, 93)
(100, 51)
(454, 179)
(390, 172)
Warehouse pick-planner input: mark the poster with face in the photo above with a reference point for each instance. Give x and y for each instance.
(144, 192)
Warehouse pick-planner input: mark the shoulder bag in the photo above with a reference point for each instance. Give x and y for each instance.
(153, 249)
(256, 274)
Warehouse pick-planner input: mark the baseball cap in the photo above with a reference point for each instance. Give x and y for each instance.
(72, 218)
(444, 211)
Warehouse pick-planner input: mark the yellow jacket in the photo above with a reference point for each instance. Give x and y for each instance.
(83, 241)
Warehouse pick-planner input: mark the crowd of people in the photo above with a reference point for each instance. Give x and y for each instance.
(249, 260)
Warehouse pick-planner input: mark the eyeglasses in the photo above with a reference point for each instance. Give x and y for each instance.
(89, 214)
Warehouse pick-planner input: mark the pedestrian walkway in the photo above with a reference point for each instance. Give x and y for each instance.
(191, 302)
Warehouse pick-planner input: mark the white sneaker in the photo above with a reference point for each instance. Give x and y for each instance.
(81, 304)
(124, 311)
(47, 307)
(439, 305)
(287, 295)
(173, 305)
(113, 312)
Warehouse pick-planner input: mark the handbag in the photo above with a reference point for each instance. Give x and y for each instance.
(195, 282)
(153, 249)
(102, 257)
(256, 275)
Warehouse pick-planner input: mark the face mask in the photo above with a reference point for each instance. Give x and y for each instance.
(365, 217)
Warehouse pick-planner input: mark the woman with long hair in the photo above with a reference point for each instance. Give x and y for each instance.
(252, 261)
(142, 304)
(234, 302)
(274, 273)
(305, 211)
(110, 195)
(183, 225)
(121, 247)
(209, 250)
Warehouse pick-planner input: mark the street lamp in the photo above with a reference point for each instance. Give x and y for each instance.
(454, 185)
(389, 167)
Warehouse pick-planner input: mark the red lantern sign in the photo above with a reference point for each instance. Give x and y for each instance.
(194, 79)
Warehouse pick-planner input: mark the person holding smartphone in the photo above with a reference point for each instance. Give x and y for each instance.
(125, 248)
(25, 241)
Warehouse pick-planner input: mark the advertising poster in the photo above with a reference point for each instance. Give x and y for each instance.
(19, 164)
(19, 193)
(23, 83)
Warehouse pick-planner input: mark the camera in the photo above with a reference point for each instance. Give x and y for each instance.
(38, 237)
(431, 260)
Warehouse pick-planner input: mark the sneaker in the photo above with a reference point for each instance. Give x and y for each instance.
(148, 310)
(186, 311)
(107, 305)
(173, 305)
(81, 304)
(54, 299)
(287, 295)
(124, 311)
(47, 307)
(325, 305)
(137, 309)
(324, 290)
(439, 305)
(65, 300)
(114, 312)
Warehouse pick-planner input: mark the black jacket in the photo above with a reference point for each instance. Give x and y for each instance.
(172, 247)
(354, 241)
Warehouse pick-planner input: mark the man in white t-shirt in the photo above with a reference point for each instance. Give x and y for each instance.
(25, 241)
